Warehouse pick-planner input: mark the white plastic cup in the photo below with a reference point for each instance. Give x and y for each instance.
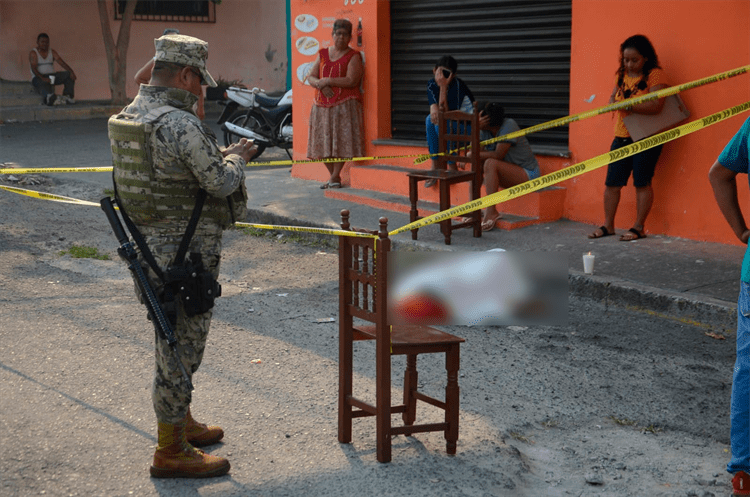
(588, 263)
(52, 79)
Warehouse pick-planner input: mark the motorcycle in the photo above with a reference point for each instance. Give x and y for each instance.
(265, 120)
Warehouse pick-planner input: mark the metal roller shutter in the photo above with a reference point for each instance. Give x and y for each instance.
(515, 52)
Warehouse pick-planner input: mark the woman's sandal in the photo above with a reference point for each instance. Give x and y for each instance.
(604, 232)
(327, 185)
(632, 234)
(489, 224)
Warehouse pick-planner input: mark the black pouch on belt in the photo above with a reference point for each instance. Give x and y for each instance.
(194, 284)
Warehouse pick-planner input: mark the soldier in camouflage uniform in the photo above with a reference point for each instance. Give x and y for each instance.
(160, 162)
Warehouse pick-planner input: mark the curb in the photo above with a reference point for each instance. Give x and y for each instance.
(705, 312)
(80, 110)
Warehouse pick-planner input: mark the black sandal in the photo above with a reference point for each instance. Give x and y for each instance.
(638, 235)
(605, 232)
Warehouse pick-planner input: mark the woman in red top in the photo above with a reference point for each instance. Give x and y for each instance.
(336, 118)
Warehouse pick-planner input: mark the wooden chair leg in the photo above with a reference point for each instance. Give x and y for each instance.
(477, 215)
(346, 350)
(413, 198)
(445, 203)
(477, 218)
(452, 399)
(383, 400)
(411, 375)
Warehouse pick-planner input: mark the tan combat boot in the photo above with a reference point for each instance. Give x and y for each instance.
(200, 435)
(176, 458)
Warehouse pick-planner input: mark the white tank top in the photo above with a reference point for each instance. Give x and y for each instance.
(46, 65)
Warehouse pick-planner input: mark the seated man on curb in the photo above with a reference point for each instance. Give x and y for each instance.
(44, 78)
(506, 163)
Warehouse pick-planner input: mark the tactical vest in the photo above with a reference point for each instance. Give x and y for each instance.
(147, 200)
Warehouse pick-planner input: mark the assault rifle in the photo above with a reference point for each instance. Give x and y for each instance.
(155, 311)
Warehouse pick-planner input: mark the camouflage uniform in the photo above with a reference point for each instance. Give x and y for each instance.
(184, 155)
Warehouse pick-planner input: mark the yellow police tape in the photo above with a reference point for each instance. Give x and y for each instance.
(424, 157)
(47, 196)
(420, 158)
(69, 200)
(40, 170)
(493, 199)
(575, 169)
(502, 196)
(603, 110)
(305, 229)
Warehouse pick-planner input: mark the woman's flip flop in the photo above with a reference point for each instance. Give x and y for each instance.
(489, 224)
(325, 186)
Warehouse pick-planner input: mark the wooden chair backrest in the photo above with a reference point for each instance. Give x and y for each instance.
(458, 132)
(363, 271)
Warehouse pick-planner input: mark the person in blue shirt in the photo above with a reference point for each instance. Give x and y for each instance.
(445, 91)
(732, 161)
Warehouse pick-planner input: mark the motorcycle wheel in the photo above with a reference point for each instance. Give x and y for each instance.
(253, 123)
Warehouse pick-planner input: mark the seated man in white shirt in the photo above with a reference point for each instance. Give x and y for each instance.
(44, 77)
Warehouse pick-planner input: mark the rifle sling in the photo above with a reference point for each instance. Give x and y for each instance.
(190, 231)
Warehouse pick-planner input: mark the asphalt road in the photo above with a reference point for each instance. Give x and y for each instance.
(79, 143)
(614, 403)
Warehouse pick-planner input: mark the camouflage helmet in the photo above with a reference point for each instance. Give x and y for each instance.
(185, 50)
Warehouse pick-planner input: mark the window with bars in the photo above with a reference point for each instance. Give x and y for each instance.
(171, 11)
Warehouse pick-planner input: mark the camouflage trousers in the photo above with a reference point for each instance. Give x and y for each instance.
(169, 394)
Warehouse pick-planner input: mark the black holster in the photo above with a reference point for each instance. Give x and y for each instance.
(195, 285)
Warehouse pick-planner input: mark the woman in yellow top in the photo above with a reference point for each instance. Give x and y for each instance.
(639, 73)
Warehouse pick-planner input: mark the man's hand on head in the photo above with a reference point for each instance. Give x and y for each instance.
(484, 120)
(440, 77)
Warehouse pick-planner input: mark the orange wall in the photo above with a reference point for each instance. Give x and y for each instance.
(376, 83)
(248, 41)
(693, 39)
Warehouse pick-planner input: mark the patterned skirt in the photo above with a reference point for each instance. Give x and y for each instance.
(336, 131)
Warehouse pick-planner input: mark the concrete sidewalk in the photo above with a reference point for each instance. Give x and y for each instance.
(692, 281)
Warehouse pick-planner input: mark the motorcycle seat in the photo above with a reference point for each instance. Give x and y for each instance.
(265, 101)
(276, 113)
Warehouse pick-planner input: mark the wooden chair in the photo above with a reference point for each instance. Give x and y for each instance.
(456, 130)
(363, 290)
